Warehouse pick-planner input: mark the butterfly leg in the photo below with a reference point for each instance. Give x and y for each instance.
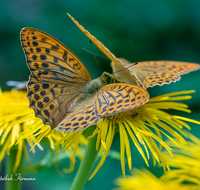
(111, 76)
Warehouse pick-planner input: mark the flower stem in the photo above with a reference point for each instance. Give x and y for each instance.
(13, 183)
(86, 165)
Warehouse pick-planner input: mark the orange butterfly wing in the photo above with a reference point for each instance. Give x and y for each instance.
(114, 98)
(109, 100)
(144, 74)
(49, 60)
(56, 75)
(151, 73)
(59, 82)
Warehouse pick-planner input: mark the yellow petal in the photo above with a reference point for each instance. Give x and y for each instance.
(18, 156)
(122, 148)
(110, 135)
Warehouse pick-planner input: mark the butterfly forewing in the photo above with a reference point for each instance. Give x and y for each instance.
(51, 102)
(49, 60)
(46, 100)
(57, 76)
(144, 74)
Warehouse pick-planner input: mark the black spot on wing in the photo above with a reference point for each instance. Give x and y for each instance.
(65, 56)
(36, 96)
(88, 117)
(75, 124)
(40, 104)
(54, 48)
(46, 112)
(55, 59)
(45, 65)
(120, 101)
(46, 99)
(51, 106)
(34, 57)
(36, 65)
(42, 93)
(81, 118)
(35, 43)
(43, 57)
(45, 86)
(38, 50)
(47, 51)
(36, 87)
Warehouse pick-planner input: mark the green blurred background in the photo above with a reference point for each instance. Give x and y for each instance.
(138, 30)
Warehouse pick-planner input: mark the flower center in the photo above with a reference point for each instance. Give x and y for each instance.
(121, 116)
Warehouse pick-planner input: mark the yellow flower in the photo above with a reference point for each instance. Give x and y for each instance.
(15, 117)
(145, 180)
(143, 125)
(187, 163)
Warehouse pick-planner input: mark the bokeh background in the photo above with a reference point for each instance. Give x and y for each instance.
(138, 30)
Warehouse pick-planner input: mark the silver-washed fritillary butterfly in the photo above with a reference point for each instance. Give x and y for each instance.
(61, 91)
(144, 74)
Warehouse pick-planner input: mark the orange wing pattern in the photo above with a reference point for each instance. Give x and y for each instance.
(46, 100)
(49, 60)
(110, 99)
(153, 73)
(114, 98)
(56, 77)
(144, 74)
(61, 92)
(79, 118)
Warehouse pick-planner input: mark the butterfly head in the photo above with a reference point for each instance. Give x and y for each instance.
(95, 84)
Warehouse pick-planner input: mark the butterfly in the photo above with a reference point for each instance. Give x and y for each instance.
(62, 92)
(144, 74)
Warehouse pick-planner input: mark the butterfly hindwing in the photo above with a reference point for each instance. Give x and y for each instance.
(109, 100)
(173, 67)
(153, 73)
(80, 118)
(114, 98)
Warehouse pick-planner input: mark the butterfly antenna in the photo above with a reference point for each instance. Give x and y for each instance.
(95, 56)
(126, 67)
(95, 53)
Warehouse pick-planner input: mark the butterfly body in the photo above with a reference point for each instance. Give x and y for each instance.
(61, 91)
